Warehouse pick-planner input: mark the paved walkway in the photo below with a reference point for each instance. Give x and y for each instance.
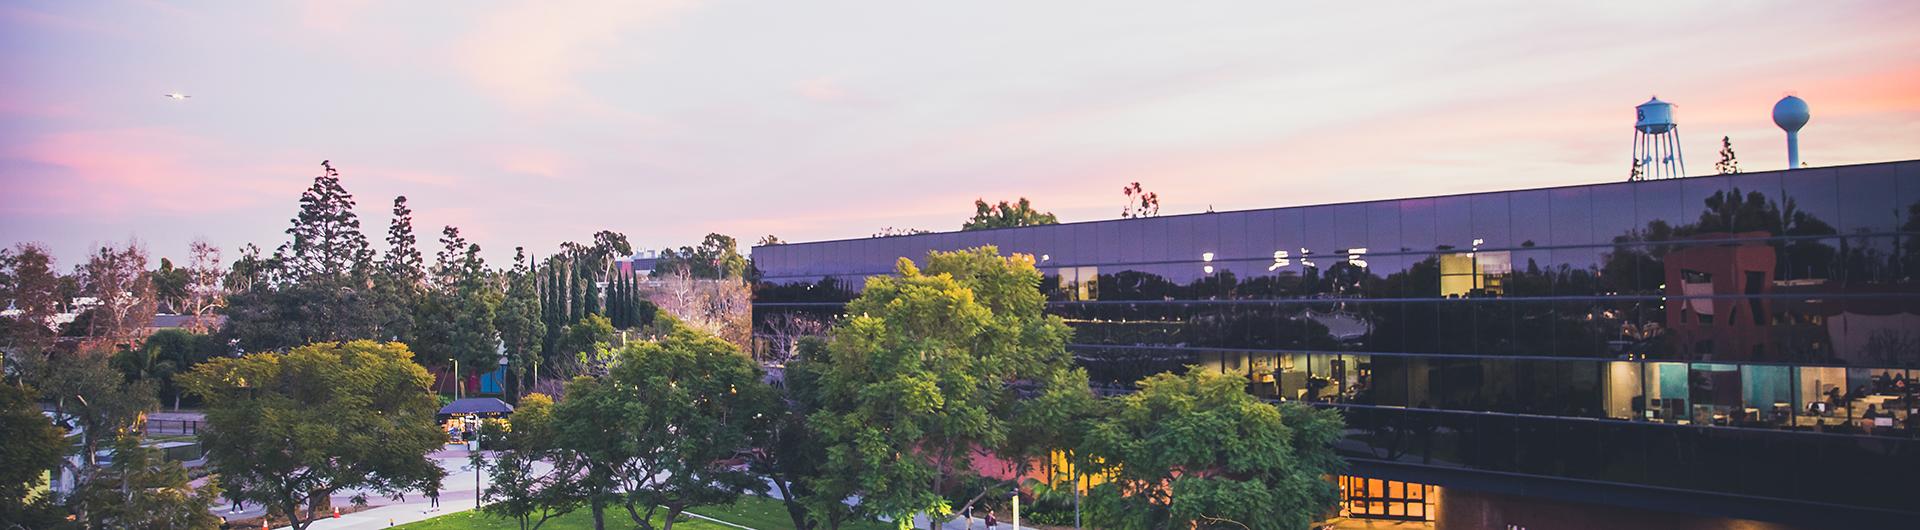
(457, 495)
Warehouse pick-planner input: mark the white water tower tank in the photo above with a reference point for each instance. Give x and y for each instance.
(1654, 116)
(1791, 114)
(1656, 142)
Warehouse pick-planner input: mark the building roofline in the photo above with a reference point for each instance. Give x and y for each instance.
(1368, 201)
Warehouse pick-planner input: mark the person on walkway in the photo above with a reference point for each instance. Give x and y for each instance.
(991, 522)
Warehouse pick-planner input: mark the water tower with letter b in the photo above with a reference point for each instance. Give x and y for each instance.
(1656, 142)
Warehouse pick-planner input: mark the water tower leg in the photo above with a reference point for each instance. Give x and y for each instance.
(1679, 154)
(1793, 150)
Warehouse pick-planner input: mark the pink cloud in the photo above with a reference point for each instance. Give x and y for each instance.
(104, 172)
(411, 176)
(821, 89)
(539, 162)
(20, 15)
(529, 55)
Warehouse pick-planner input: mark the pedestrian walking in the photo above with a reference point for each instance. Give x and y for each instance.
(991, 522)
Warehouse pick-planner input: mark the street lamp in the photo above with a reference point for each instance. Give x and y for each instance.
(1016, 507)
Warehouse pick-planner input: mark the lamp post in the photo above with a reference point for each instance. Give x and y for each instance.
(1016, 508)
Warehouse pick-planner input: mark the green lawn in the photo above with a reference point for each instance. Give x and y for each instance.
(754, 512)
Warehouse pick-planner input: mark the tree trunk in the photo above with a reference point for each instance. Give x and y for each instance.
(671, 513)
(794, 510)
(599, 514)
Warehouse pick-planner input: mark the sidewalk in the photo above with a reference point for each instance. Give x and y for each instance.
(456, 495)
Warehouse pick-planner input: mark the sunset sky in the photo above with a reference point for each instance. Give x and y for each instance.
(529, 124)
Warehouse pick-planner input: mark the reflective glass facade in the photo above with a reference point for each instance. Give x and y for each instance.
(1753, 335)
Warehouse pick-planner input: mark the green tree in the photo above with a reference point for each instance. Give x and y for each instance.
(920, 376)
(1198, 451)
(658, 427)
(576, 295)
(516, 482)
(795, 457)
(596, 260)
(1006, 215)
(401, 279)
(170, 286)
(717, 257)
(519, 321)
(586, 344)
(553, 308)
(1140, 202)
(288, 430)
(477, 297)
(89, 396)
(32, 287)
(141, 489)
(33, 447)
(163, 355)
(457, 313)
(1728, 164)
(1056, 419)
(589, 293)
(316, 286)
(326, 239)
(119, 279)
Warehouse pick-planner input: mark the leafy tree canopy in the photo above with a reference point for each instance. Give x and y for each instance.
(290, 429)
(142, 489)
(920, 375)
(717, 257)
(1198, 451)
(1006, 215)
(33, 447)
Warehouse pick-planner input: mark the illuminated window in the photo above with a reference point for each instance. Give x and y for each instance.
(1474, 273)
(1079, 284)
(1372, 498)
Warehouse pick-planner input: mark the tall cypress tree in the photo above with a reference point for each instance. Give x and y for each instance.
(576, 303)
(616, 292)
(592, 292)
(550, 308)
(626, 291)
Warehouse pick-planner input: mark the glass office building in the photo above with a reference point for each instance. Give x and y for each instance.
(1735, 346)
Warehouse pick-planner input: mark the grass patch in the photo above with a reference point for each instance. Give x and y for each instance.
(751, 511)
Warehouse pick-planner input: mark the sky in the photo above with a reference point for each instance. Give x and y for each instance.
(533, 123)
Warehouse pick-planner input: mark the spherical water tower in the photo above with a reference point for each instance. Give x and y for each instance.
(1791, 114)
(1656, 142)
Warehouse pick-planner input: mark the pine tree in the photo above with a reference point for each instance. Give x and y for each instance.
(401, 278)
(403, 260)
(315, 287)
(447, 263)
(1728, 163)
(521, 325)
(326, 235)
